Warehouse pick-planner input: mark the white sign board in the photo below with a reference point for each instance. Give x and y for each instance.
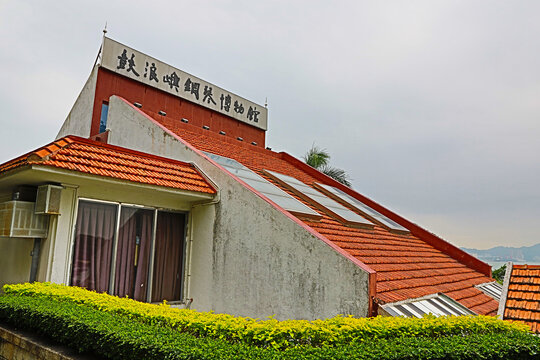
(141, 67)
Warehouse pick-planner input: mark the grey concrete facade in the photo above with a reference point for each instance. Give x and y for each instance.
(248, 257)
(244, 255)
(79, 118)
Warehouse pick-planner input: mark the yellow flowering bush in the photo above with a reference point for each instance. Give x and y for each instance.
(339, 330)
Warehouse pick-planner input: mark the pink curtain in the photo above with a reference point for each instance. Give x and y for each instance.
(169, 252)
(94, 236)
(134, 241)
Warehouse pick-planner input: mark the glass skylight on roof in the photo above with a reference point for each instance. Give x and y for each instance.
(260, 184)
(362, 207)
(335, 208)
(436, 304)
(493, 289)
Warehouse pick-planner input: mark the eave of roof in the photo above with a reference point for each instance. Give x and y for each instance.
(95, 158)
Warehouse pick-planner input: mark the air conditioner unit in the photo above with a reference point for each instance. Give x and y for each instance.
(17, 220)
(48, 200)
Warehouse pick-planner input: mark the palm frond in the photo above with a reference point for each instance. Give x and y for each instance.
(337, 174)
(316, 157)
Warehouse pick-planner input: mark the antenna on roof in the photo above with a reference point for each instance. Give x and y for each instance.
(98, 57)
(266, 102)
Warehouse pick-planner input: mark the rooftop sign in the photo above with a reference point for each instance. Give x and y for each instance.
(143, 68)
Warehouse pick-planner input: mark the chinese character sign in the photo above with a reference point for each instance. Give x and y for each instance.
(143, 68)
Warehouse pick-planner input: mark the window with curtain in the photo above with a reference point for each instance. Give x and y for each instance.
(94, 237)
(133, 253)
(118, 259)
(168, 260)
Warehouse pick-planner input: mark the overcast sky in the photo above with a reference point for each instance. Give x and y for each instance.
(432, 107)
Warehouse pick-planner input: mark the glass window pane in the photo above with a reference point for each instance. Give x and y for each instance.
(363, 207)
(92, 253)
(266, 188)
(103, 118)
(334, 207)
(169, 257)
(133, 253)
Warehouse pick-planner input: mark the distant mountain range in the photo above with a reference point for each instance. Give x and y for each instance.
(524, 254)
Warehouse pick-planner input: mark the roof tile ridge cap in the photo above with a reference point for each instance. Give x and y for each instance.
(62, 143)
(527, 267)
(24, 158)
(416, 229)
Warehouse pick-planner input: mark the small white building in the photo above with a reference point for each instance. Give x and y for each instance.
(159, 186)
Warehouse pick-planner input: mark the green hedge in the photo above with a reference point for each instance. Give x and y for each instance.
(270, 333)
(120, 336)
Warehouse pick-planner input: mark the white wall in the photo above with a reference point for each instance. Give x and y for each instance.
(79, 120)
(252, 260)
(199, 279)
(59, 240)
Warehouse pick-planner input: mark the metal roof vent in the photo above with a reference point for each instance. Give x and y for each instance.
(436, 304)
(48, 199)
(221, 132)
(239, 139)
(184, 120)
(161, 112)
(493, 289)
(268, 148)
(253, 143)
(206, 127)
(136, 104)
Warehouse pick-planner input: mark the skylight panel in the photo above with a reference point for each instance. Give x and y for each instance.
(436, 304)
(260, 184)
(493, 289)
(362, 207)
(323, 201)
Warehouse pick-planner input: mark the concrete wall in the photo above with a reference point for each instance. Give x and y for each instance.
(253, 260)
(79, 120)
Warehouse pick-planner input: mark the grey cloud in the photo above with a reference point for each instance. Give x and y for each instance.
(432, 107)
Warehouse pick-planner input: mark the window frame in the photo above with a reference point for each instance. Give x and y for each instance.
(112, 272)
(104, 105)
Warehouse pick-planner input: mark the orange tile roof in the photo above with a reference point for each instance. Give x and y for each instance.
(92, 157)
(523, 296)
(406, 265)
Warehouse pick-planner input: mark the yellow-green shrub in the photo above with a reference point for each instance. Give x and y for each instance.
(112, 336)
(278, 334)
